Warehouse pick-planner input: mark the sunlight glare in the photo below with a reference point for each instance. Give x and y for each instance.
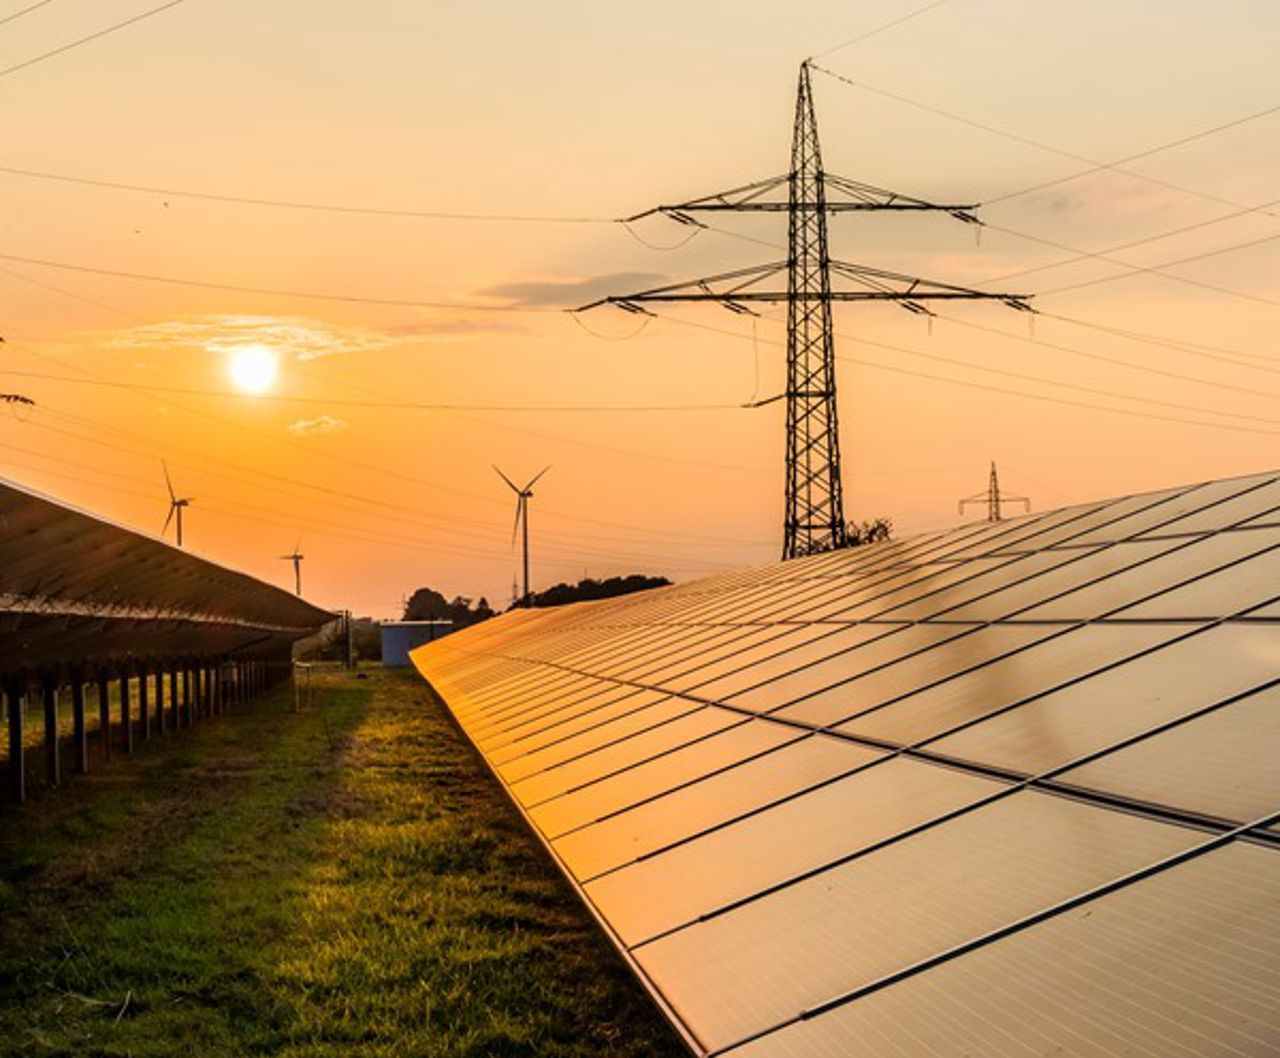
(253, 368)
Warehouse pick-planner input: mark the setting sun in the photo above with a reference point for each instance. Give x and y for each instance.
(253, 368)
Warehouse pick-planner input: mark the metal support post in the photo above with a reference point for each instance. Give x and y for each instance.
(52, 763)
(126, 721)
(80, 736)
(17, 765)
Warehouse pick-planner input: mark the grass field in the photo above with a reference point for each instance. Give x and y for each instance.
(347, 881)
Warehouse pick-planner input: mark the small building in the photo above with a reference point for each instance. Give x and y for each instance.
(400, 637)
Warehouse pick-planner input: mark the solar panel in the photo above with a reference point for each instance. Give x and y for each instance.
(1007, 790)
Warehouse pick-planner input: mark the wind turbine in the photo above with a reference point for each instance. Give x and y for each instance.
(176, 505)
(523, 496)
(296, 559)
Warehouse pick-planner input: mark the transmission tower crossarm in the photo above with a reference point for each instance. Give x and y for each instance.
(851, 196)
(739, 286)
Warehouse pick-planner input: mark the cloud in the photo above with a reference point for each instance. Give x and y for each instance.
(322, 424)
(453, 330)
(296, 336)
(569, 293)
(1103, 191)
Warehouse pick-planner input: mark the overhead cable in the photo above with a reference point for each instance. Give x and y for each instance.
(96, 35)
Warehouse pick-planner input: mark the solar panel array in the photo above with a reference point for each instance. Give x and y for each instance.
(1010, 789)
(74, 587)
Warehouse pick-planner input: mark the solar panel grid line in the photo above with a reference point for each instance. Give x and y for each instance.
(1172, 507)
(1133, 1037)
(639, 762)
(602, 695)
(1193, 524)
(732, 746)
(1057, 565)
(648, 745)
(519, 705)
(548, 759)
(1044, 781)
(1097, 892)
(542, 720)
(935, 654)
(1044, 692)
(1090, 963)
(710, 774)
(936, 890)
(1183, 767)
(554, 725)
(1236, 548)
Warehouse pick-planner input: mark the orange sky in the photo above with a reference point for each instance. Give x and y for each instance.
(591, 110)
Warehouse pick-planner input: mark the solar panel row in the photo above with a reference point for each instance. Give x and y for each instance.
(994, 791)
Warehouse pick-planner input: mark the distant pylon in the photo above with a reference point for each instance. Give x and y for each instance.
(814, 506)
(994, 498)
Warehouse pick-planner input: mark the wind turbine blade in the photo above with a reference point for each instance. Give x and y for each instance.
(168, 520)
(536, 476)
(507, 480)
(515, 526)
(168, 480)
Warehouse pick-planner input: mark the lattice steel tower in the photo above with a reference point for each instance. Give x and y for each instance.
(994, 498)
(814, 518)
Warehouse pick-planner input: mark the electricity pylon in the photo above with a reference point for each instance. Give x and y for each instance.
(523, 496)
(814, 520)
(994, 498)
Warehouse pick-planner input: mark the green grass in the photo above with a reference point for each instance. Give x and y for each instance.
(348, 881)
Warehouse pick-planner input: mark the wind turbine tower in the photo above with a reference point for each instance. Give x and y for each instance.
(296, 558)
(176, 506)
(523, 496)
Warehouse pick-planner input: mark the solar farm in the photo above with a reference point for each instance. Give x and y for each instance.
(1005, 790)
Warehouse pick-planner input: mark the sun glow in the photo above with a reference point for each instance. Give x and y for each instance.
(253, 368)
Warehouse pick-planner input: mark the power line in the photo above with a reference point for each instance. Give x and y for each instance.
(564, 551)
(1163, 341)
(986, 386)
(314, 207)
(97, 35)
(271, 292)
(1095, 166)
(613, 450)
(1203, 351)
(1251, 391)
(360, 464)
(377, 538)
(347, 402)
(881, 28)
(1159, 270)
(1103, 255)
(25, 11)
